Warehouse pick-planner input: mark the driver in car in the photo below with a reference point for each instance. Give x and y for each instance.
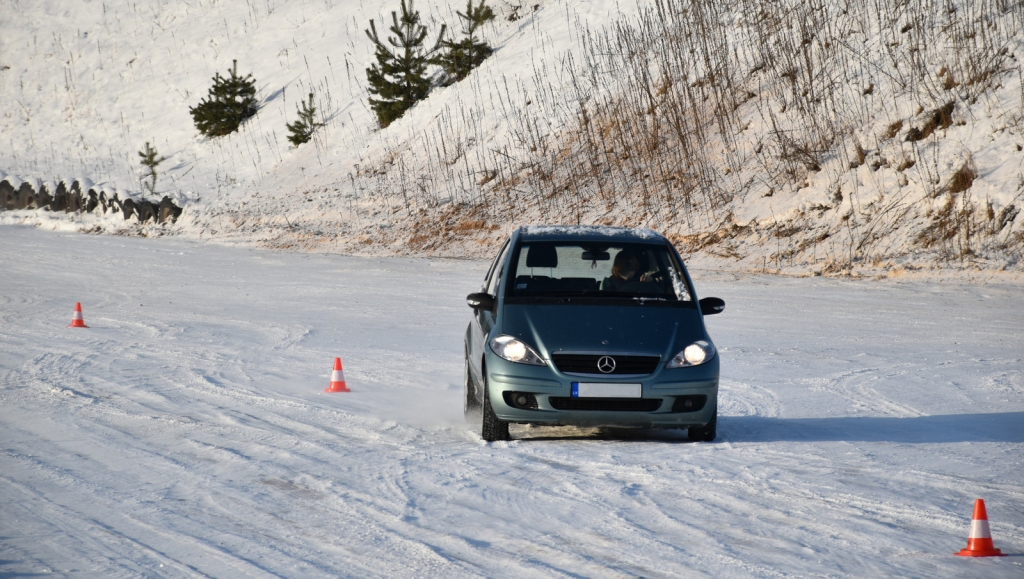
(625, 270)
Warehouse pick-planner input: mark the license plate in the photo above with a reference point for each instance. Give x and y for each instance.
(606, 390)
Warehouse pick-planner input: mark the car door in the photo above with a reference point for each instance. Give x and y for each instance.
(483, 320)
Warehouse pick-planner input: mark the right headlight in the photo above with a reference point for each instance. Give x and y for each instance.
(513, 350)
(695, 354)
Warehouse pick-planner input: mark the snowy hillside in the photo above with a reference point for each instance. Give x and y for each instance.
(823, 137)
(185, 433)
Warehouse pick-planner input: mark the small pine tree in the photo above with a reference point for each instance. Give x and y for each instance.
(230, 101)
(150, 162)
(463, 56)
(302, 129)
(399, 79)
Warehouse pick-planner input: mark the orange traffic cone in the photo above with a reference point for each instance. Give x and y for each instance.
(979, 542)
(337, 379)
(78, 321)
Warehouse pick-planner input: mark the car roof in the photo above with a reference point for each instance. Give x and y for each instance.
(603, 233)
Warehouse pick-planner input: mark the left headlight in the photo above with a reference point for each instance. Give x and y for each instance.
(695, 354)
(513, 350)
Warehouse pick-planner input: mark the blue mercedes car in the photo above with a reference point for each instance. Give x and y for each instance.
(590, 326)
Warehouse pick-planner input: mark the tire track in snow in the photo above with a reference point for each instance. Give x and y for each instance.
(131, 543)
(853, 387)
(737, 398)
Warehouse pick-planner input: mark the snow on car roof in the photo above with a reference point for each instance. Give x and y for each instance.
(589, 232)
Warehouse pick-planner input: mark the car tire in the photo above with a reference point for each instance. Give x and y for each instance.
(470, 405)
(492, 428)
(704, 433)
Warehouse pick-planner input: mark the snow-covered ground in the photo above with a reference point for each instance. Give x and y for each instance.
(185, 433)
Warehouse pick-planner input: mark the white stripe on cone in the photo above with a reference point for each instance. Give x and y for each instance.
(337, 376)
(979, 529)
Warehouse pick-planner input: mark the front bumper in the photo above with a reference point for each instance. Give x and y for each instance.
(668, 396)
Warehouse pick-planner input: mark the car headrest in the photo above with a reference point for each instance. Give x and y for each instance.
(542, 255)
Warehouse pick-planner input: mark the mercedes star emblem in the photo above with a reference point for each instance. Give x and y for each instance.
(606, 364)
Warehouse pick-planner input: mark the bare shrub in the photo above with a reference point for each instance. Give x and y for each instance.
(940, 118)
(893, 129)
(860, 156)
(963, 178)
(1005, 217)
(953, 228)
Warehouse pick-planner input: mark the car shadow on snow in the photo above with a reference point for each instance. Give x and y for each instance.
(542, 433)
(944, 428)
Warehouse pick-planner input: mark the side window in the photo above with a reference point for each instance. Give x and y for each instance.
(494, 265)
(496, 271)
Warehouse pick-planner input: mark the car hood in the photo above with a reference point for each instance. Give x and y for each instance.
(653, 330)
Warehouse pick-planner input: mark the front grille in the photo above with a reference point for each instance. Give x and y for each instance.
(606, 404)
(587, 364)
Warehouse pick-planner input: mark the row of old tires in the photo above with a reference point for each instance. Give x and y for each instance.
(72, 199)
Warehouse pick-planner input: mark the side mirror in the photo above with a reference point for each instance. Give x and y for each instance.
(480, 301)
(710, 306)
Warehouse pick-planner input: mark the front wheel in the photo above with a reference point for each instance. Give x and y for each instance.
(704, 433)
(492, 428)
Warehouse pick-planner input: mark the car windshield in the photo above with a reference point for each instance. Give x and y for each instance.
(616, 270)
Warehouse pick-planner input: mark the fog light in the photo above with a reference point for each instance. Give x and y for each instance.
(689, 403)
(523, 400)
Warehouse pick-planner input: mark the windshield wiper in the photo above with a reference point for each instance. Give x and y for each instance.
(595, 294)
(643, 299)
